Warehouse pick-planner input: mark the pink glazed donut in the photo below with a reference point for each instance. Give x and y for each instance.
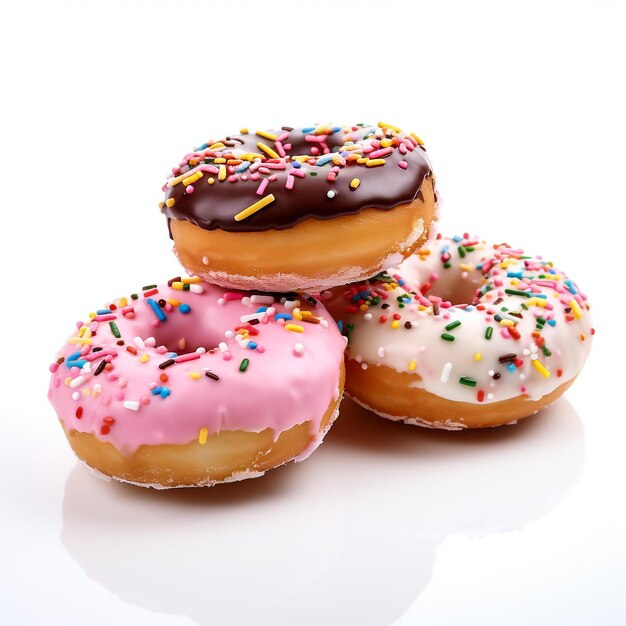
(186, 384)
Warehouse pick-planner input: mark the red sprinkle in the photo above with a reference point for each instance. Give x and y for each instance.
(79, 412)
(480, 395)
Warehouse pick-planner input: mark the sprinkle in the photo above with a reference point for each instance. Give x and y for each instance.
(266, 135)
(453, 325)
(374, 162)
(540, 368)
(166, 364)
(253, 208)
(100, 367)
(243, 366)
(133, 405)
(298, 349)
(265, 148)
(354, 183)
(170, 202)
(445, 372)
(184, 309)
(294, 328)
(576, 310)
(157, 309)
(447, 337)
(202, 436)
(331, 193)
(143, 358)
(517, 292)
(488, 332)
(192, 356)
(115, 330)
(465, 380)
(478, 356)
(211, 375)
(412, 365)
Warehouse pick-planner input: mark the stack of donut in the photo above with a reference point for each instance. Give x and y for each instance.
(238, 367)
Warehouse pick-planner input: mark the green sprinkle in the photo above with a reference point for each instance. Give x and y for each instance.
(545, 350)
(524, 307)
(146, 287)
(517, 292)
(447, 265)
(470, 382)
(243, 366)
(462, 251)
(453, 325)
(447, 337)
(313, 173)
(488, 332)
(115, 330)
(469, 248)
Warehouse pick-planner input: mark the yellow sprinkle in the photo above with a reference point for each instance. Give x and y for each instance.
(202, 436)
(270, 153)
(294, 327)
(91, 316)
(266, 135)
(465, 267)
(82, 342)
(244, 131)
(192, 179)
(478, 357)
(362, 159)
(390, 126)
(170, 202)
(375, 162)
(173, 302)
(219, 160)
(395, 324)
(253, 208)
(576, 310)
(222, 174)
(582, 336)
(412, 365)
(191, 280)
(217, 146)
(174, 181)
(364, 307)
(143, 358)
(540, 368)
(68, 380)
(296, 314)
(354, 183)
(161, 204)
(194, 375)
(514, 281)
(123, 302)
(306, 313)
(385, 143)
(210, 180)
(85, 391)
(540, 302)
(507, 323)
(419, 141)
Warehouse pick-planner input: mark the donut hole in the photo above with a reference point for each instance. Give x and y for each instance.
(180, 337)
(456, 287)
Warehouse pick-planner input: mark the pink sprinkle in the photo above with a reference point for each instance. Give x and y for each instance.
(53, 368)
(105, 318)
(282, 137)
(261, 188)
(152, 386)
(232, 295)
(315, 138)
(93, 327)
(273, 178)
(155, 323)
(287, 146)
(279, 148)
(112, 377)
(79, 324)
(260, 348)
(233, 178)
(161, 350)
(523, 389)
(192, 356)
(315, 150)
(498, 282)
(505, 333)
(298, 173)
(119, 396)
(255, 176)
(56, 382)
(150, 342)
(189, 189)
(244, 177)
(227, 356)
(127, 310)
(144, 400)
(402, 148)
(380, 153)
(403, 164)
(289, 182)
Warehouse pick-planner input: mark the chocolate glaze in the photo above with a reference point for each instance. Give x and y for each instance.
(215, 205)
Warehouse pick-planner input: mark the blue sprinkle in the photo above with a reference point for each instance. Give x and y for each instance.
(204, 146)
(552, 322)
(344, 154)
(297, 164)
(71, 363)
(540, 295)
(252, 345)
(243, 167)
(336, 129)
(171, 355)
(184, 308)
(511, 367)
(456, 239)
(103, 311)
(570, 286)
(469, 308)
(309, 129)
(261, 309)
(444, 249)
(73, 357)
(157, 309)
(156, 391)
(165, 392)
(324, 159)
(401, 282)
(515, 274)
(340, 325)
(283, 316)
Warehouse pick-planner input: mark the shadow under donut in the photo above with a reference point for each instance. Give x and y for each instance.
(348, 537)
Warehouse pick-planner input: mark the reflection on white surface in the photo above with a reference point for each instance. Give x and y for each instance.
(348, 537)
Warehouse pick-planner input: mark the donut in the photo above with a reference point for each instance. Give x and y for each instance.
(300, 208)
(186, 384)
(463, 334)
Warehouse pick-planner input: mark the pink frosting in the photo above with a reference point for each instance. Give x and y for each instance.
(290, 377)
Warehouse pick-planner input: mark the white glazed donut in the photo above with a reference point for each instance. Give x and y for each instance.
(463, 334)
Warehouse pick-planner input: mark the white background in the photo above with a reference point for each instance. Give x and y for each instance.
(522, 108)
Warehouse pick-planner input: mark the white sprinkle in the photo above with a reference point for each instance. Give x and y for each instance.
(367, 316)
(381, 352)
(223, 347)
(445, 372)
(358, 358)
(270, 311)
(291, 304)
(491, 372)
(76, 382)
(76, 395)
(246, 301)
(205, 260)
(331, 193)
(201, 350)
(133, 405)
(489, 396)
(262, 299)
(150, 341)
(324, 324)
(298, 349)
(97, 389)
(195, 288)
(221, 301)
(229, 334)
(364, 366)
(139, 342)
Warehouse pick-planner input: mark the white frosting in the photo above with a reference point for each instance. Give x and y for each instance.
(440, 365)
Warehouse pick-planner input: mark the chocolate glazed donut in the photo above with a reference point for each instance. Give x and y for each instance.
(304, 208)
